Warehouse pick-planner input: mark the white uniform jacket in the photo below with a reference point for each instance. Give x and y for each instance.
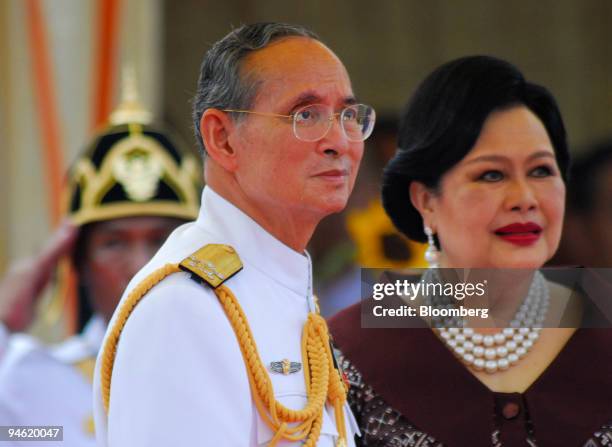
(179, 377)
(51, 385)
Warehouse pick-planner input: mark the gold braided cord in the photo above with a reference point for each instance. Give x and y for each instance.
(110, 346)
(323, 382)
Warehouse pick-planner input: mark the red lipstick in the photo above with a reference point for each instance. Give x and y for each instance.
(522, 234)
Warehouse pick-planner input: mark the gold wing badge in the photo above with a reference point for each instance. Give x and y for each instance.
(285, 367)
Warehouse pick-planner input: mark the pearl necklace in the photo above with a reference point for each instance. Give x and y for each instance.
(499, 351)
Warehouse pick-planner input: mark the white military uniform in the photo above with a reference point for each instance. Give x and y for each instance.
(4, 338)
(179, 377)
(50, 385)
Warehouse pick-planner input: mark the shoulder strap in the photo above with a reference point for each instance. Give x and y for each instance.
(214, 264)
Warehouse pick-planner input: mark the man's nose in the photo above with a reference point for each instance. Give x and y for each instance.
(335, 142)
(140, 254)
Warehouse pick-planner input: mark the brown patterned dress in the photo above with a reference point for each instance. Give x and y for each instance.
(408, 390)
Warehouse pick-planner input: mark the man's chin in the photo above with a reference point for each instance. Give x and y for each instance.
(325, 201)
(333, 206)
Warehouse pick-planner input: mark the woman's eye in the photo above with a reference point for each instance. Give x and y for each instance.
(542, 171)
(491, 176)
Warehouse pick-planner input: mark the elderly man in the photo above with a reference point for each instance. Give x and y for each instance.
(217, 341)
(127, 192)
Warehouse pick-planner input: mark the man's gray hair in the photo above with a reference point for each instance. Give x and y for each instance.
(220, 85)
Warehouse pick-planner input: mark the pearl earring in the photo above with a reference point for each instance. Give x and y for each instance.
(432, 255)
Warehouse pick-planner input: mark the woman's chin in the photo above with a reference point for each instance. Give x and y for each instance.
(521, 265)
(521, 261)
(517, 257)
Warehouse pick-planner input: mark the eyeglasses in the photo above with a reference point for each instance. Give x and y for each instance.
(311, 123)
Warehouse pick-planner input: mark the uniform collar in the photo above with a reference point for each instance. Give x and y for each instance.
(255, 246)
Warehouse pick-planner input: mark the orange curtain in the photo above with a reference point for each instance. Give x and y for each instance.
(103, 87)
(105, 59)
(48, 114)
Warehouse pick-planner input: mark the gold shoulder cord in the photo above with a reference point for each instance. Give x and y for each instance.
(215, 264)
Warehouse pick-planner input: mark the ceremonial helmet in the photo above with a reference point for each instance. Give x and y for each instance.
(132, 168)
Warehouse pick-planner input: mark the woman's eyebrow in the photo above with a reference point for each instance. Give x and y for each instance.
(502, 158)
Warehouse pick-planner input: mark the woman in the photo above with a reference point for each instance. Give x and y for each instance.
(480, 174)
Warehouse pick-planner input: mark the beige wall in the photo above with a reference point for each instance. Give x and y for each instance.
(71, 43)
(4, 127)
(389, 46)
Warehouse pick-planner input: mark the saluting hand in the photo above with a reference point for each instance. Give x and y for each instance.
(25, 280)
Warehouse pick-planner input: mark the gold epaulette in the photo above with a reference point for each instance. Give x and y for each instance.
(213, 263)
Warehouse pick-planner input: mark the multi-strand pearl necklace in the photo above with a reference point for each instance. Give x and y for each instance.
(499, 351)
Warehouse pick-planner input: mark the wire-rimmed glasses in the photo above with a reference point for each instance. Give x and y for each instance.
(312, 122)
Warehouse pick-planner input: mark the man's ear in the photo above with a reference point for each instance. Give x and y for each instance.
(423, 199)
(215, 127)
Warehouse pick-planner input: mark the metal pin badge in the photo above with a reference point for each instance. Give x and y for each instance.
(285, 367)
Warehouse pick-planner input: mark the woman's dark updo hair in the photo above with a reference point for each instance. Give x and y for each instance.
(443, 120)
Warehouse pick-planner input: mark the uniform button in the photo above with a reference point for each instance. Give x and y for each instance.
(511, 410)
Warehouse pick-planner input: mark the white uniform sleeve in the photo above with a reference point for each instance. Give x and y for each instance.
(179, 378)
(4, 340)
(7, 414)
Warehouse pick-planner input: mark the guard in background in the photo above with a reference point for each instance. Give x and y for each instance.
(127, 192)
